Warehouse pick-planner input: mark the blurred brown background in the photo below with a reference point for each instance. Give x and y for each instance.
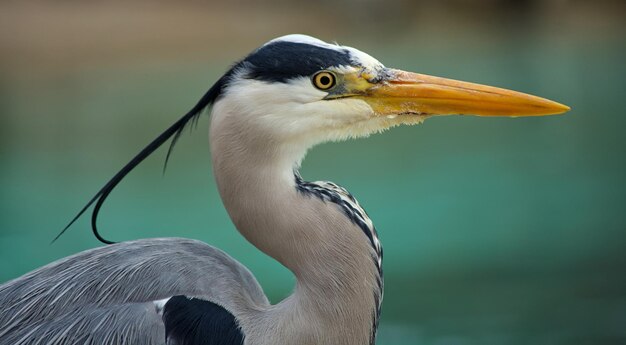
(56, 36)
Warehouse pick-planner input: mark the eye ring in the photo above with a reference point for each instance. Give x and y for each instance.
(324, 80)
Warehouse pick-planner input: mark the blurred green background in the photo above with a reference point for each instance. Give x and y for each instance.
(496, 231)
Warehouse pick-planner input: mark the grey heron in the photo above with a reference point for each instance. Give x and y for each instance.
(267, 110)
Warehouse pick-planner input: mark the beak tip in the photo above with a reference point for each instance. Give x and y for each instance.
(561, 108)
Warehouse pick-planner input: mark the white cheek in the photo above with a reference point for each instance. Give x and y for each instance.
(339, 111)
(277, 108)
(292, 111)
(272, 96)
(302, 91)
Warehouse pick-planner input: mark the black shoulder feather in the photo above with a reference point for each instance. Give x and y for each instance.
(193, 321)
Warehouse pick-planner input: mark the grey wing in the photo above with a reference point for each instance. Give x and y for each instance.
(108, 294)
(128, 323)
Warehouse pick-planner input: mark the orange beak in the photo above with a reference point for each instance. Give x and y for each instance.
(412, 93)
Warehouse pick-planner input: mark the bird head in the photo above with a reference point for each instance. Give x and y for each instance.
(297, 91)
(297, 87)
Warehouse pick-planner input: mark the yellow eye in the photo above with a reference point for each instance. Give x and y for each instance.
(324, 80)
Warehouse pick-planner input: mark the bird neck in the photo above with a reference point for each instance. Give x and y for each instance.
(338, 283)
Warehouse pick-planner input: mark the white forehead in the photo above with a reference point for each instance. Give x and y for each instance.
(357, 56)
(298, 38)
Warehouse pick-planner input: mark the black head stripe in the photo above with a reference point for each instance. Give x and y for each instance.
(282, 60)
(330, 192)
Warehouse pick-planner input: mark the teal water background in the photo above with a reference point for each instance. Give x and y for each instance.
(495, 230)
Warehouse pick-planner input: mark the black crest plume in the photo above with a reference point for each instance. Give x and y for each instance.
(173, 132)
(275, 62)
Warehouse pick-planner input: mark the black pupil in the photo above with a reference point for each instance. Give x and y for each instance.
(325, 80)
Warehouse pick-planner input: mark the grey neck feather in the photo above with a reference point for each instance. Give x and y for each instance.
(338, 284)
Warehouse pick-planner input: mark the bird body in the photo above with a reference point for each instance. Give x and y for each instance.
(287, 96)
(111, 294)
